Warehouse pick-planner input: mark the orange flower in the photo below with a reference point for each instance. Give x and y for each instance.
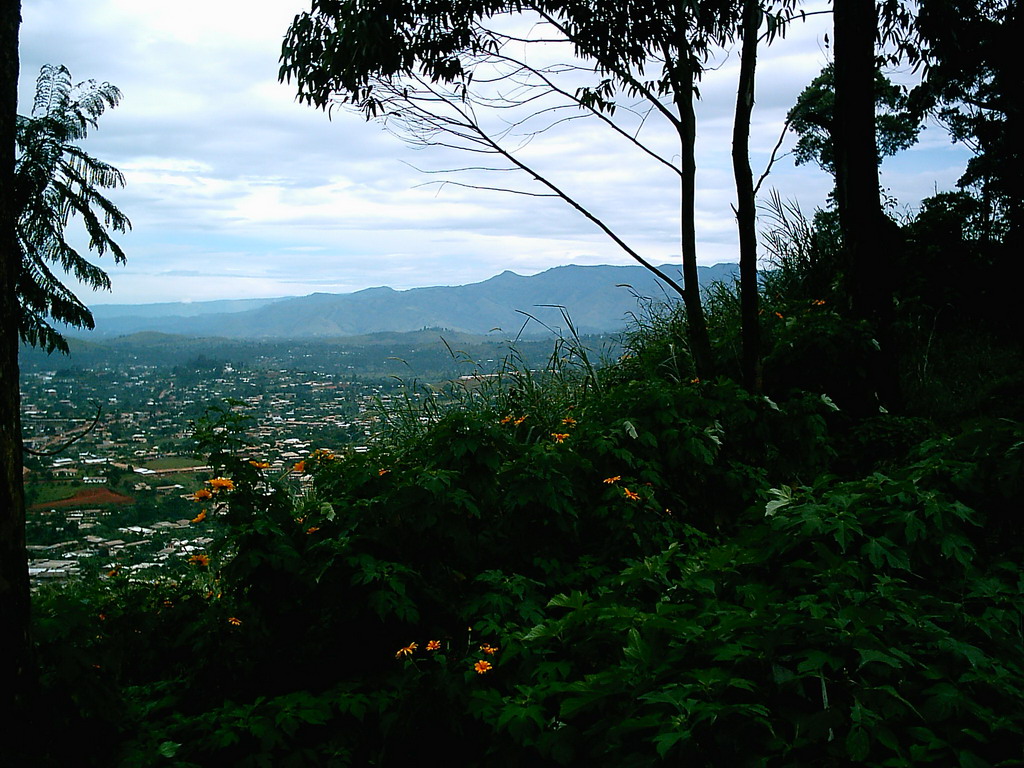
(112, 573)
(300, 467)
(222, 484)
(519, 421)
(103, 617)
(168, 604)
(506, 420)
(408, 650)
(382, 472)
(612, 480)
(559, 437)
(200, 560)
(630, 495)
(202, 495)
(489, 649)
(569, 421)
(695, 381)
(483, 667)
(433, 645)
(200, 517)
(235, 622)
(312, 529)
(818, 303)
(780, 316)
(260, 464)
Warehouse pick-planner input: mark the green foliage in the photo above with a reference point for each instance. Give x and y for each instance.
(896, 125)
(55, 180)
(624, 566)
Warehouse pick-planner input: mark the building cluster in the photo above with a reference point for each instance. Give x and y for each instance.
(132, 452)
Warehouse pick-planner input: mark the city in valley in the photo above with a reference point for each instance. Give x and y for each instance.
(121, 496)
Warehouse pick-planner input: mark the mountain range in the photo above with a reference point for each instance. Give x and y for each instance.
(597, 299)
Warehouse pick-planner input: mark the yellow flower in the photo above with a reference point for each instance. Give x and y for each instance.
(559, 437)
(300, 467)
(630, 495)
(483, 667)
(489, 649)
(200, 560)
(612, 480)
(408, 650)
(519, 421)
(569, 421)
(433, 645)
(202, 495)
(260, 464)
(235, 622)
(200, 517)
(222, 484)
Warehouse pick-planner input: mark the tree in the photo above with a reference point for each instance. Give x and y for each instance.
(54, 181)
(745, 198)
(971, 80)
(419, 64)
(869, 237)
(812, 118)
(15, 649)
(45, 180)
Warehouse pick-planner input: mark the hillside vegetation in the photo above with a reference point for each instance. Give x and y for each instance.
(620, 566)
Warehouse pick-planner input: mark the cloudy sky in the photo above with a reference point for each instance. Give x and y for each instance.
(235, 190)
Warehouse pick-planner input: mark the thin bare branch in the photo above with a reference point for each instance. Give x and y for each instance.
(72, 441)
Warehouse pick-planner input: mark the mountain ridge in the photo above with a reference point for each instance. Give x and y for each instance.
(597, 299)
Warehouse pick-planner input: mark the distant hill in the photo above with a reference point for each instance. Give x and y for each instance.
(593, 297)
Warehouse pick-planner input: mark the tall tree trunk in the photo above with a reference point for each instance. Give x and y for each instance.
(745, 209)
(697, 329)
(856, 150)
(15, 648)
(869, 236)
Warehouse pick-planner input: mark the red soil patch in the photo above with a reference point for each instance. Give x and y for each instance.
(90, 497)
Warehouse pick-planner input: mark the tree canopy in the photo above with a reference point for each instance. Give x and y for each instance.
(55, 180)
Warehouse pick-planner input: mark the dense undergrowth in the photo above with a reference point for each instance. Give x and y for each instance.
(618, 566)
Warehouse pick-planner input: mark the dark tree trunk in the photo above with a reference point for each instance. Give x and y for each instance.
(869, 236)
(697, 329)
(745, 209)
(15, 648)
(856, 150)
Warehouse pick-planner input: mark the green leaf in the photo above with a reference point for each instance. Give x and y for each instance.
(868, 655)
(857, 744)
(783, 497)
(665, 741)
(636, 647)
(169, 749)
(574, 600)
(816, 660)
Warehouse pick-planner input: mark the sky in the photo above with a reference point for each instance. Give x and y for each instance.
(236, 190)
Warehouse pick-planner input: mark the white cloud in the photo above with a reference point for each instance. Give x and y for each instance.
(236, 190)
